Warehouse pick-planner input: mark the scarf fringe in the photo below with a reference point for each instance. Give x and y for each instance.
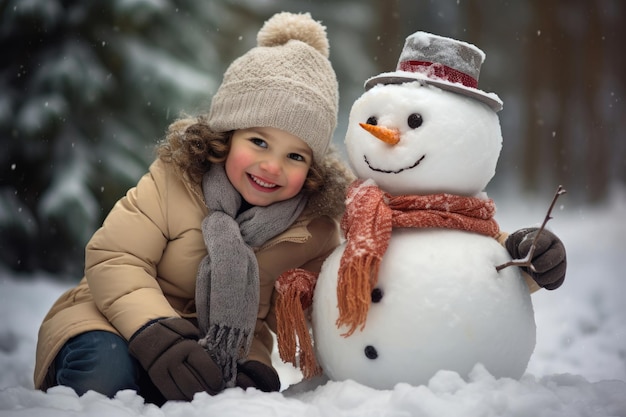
(358, 275)
(295, 289)
(225, 345)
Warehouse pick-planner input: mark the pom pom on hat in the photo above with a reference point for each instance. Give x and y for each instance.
(286, 82)
(283, 27)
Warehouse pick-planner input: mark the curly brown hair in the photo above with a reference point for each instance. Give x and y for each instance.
(191, 146)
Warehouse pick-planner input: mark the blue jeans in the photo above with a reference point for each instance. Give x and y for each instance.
(100, 361)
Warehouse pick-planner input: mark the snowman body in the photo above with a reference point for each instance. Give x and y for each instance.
(439, 303)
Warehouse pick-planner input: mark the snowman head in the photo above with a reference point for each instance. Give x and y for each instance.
(416, 138)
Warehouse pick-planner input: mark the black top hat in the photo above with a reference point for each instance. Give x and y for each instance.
(444, 62)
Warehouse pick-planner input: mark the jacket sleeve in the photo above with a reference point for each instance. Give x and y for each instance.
(122, 256)
(310, 255)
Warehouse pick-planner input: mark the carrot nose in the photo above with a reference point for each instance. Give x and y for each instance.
(387, 135)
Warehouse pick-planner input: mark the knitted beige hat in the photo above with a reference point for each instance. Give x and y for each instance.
(286, 82)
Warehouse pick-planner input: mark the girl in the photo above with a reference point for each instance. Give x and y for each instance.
(178, 291)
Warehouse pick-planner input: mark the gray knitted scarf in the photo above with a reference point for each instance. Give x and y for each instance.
(227, 285)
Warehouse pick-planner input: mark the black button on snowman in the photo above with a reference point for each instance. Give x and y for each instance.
(414, 288)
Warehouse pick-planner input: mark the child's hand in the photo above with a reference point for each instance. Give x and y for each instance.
(258, 375)
(179, 367)
(549, 259)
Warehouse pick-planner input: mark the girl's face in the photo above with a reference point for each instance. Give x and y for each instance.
(267, 165)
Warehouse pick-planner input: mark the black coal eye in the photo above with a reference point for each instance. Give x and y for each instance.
(372, 121)
(414, 121)
(377, 295)
(370, 352)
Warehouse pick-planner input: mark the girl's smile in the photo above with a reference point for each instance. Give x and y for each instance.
(262, 185)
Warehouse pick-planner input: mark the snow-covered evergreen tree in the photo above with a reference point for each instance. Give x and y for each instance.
(88, 88)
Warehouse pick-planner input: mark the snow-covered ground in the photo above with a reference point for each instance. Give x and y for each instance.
(578, 367)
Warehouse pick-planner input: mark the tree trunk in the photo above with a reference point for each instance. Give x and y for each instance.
(388, 39)
(596, 141)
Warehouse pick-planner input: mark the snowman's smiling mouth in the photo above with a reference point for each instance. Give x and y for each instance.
(391, 171)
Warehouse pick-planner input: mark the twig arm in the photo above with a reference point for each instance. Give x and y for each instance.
(527, 260)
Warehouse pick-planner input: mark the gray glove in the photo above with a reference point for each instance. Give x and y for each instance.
(258, 375)
(177, 365)
(549, 259)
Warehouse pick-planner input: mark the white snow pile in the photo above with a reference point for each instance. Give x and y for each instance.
(578, 367)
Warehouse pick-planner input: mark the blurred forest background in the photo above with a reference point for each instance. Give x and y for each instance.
(88, 87)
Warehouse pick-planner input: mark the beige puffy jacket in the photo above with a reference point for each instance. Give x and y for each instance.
(142, 263)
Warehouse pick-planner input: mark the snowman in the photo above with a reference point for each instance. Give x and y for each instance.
(414, 288)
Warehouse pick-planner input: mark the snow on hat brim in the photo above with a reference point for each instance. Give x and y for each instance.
(401, 77)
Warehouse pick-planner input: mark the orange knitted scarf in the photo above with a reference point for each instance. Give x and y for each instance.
(370, 216)
(367, 223)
